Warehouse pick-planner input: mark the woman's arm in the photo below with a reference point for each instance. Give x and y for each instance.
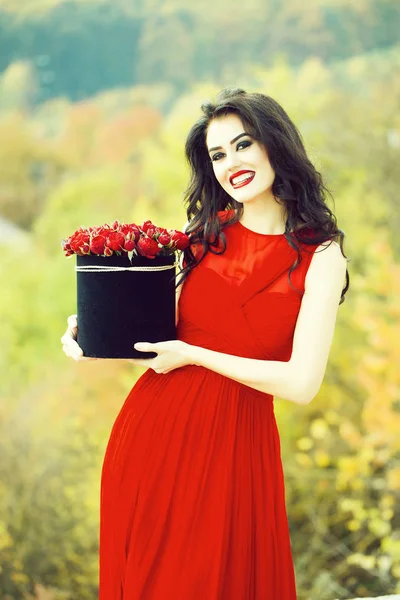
(298, 379)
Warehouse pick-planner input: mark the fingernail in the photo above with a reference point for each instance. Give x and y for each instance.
(138, 346)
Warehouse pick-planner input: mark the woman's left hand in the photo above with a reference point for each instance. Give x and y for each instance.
(171, 355)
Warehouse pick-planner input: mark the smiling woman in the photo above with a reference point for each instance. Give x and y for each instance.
(192, 490)
(240, 162)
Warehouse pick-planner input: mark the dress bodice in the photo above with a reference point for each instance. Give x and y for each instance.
(241, 302)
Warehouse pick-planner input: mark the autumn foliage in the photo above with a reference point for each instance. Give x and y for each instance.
(64, 164)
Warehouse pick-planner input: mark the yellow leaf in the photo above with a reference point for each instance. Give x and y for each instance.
(322, 458)
(303, 459)
(305, 443)
(319, 429)
(379, 527)
(353, 525)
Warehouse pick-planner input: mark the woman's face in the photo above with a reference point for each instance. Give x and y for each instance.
(240, 163)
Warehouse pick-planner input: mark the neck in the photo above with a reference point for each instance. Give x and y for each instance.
(269, 220)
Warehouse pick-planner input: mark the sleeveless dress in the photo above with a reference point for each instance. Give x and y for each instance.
(192, 488)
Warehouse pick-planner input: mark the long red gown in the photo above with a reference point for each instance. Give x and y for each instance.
(192, 490)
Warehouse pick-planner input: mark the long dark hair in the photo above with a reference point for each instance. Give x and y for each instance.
(297, 184)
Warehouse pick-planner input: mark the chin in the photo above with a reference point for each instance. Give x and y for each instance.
(245, 198)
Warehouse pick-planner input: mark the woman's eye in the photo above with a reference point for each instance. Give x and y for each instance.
(240, 146)
(244, 144)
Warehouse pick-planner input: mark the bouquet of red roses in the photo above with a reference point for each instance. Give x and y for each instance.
(125, 286)
(146, 240)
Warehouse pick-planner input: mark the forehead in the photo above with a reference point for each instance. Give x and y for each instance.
(223, 129)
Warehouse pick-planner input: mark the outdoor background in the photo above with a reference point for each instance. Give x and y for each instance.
(96, 99)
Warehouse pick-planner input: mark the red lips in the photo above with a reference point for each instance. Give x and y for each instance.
(232, 177)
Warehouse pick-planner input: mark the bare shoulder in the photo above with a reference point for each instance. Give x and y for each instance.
(330, 248)
(327, 269)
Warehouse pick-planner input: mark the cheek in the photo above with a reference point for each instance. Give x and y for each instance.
(263, 160)
(219, 176)
(266, 169)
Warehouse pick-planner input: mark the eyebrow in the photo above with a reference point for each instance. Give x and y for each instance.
(231, 142)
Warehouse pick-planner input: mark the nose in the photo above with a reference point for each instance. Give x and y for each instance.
(232, 162)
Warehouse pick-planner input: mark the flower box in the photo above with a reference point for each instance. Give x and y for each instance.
(124, 296)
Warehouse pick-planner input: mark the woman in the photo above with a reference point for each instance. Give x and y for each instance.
(192, 497)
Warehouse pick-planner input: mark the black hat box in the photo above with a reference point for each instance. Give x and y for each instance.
(118, 306)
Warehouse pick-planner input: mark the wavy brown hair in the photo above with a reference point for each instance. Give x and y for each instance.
(297, 184)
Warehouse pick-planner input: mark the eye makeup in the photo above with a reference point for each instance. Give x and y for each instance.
(240, 146)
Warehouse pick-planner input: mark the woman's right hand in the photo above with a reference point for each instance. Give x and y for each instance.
(68, 340)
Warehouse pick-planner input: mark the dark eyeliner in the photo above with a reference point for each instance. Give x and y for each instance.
(244, 143)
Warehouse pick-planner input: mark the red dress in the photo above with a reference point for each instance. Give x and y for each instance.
(192, 493)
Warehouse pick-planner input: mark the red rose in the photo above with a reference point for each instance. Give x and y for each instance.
(78, 241)
(67, 248)
(180, 239)
(136, 232)
(131, 231)
(151, 231)
(164, 238)
(147, 247)
(97, 244)
(129, 245)
(104, 231)
(146, 225)
(115, 241)
(108, 251)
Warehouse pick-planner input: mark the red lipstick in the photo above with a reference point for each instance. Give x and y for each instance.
(245, 181)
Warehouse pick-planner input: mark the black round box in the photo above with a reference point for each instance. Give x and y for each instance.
(116, 309)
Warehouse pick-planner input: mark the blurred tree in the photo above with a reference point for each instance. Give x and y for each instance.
(18, 86)
(80, 47)
(166, 50)
(28, 169)
(340, 453)
(44, 472)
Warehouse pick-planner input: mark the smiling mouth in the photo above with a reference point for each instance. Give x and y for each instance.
(241, 179)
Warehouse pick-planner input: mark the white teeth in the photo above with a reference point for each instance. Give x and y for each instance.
(242, 178)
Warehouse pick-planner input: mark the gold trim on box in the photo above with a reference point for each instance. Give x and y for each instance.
(110, 269)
